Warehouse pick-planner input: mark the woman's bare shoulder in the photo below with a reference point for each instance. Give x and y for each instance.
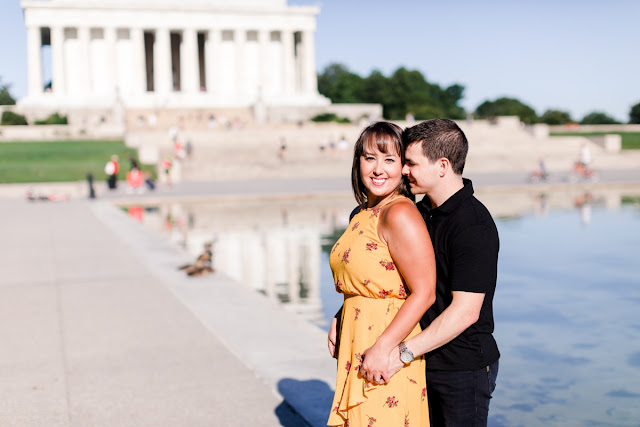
(402, 212)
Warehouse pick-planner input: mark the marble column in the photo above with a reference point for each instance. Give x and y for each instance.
(138, 61)
(189, 62)
(289, 64)
(110, 48)
(162, 62)
(309, 76)
(34, 60)
(57, 61)
(212, 60)
(240, 38)
(263, 46)
(84, 62)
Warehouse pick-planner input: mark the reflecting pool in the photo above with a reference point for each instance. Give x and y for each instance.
(566, 307)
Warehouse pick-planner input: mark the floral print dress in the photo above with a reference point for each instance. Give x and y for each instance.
(373, 293)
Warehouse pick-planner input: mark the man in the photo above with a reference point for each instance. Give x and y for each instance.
(457, 341)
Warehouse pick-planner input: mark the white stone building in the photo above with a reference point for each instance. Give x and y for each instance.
(136, 59)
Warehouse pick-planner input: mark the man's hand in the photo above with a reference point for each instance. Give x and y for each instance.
(379, 366)
(333, 335)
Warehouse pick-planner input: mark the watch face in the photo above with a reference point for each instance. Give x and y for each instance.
(406, 356)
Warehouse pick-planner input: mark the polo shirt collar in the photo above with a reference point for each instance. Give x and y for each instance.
(451, 203)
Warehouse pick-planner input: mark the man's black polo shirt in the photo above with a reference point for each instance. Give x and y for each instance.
(465, 242)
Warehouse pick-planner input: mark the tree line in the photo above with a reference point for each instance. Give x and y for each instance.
(408, 92)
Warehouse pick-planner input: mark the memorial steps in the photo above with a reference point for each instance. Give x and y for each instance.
(254, 152)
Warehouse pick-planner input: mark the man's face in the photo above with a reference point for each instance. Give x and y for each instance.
(422, 173)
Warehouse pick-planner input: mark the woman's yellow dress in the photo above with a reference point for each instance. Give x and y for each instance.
(373, 293)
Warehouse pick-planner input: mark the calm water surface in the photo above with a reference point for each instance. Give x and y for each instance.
(567, 305)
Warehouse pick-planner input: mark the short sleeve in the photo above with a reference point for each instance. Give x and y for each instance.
(474, 259)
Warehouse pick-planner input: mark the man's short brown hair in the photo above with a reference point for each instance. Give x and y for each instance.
(440, 138)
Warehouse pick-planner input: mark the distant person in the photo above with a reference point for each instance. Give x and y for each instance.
(203, 264)
(133, 163)
(36, 195)
(149, 181)
(188, 148)
(322, 146)
(457, 331)
(166, 168)
(343, 145)
(92, 191)
(178, 150)
(332, 147)
(173, 134)
(540, 174)
(212, 121)
(282, 152)
(385, 267)
(111, 169)
(135, 179)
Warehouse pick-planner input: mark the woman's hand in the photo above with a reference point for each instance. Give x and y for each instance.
(376, 364)
(333, 335)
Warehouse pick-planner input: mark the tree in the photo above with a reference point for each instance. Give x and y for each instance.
(53, 119)
(405, 91)
(455, 94)
(556, 117)
(340, 85)
(5, 96)
(598, 118)
(10, 118)
(634, 114)
(375, 89)
(507, 107)
(409, 94)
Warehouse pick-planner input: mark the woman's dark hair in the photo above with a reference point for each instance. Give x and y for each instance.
(387, 137)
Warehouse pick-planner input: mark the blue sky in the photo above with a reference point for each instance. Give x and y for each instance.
(572, 55)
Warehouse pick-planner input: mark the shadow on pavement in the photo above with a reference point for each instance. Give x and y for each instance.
(309, 400)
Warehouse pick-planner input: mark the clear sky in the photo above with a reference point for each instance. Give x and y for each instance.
(574, 55)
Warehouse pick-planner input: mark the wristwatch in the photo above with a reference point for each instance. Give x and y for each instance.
(405, 354)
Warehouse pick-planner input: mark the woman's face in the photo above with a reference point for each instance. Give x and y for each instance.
(380, 172)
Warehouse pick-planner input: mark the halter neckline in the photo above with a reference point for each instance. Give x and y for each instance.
(384, 203)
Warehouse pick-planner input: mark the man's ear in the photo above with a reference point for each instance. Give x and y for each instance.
(444, 166)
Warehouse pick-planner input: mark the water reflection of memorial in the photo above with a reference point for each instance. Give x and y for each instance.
(271, 246)
(274, 245)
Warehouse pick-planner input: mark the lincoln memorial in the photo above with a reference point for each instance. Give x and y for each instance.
(249, 58)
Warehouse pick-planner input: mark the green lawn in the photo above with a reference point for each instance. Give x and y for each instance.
(630, 140)
(57, 161)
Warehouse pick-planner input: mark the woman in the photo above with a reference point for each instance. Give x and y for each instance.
(384, 265)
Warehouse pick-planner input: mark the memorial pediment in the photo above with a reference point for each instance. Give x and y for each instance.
(158, 4)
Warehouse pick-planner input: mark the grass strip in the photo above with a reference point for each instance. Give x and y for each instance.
(62, 161)
(630, 140)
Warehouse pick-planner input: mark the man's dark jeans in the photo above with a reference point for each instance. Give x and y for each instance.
(460, 398)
